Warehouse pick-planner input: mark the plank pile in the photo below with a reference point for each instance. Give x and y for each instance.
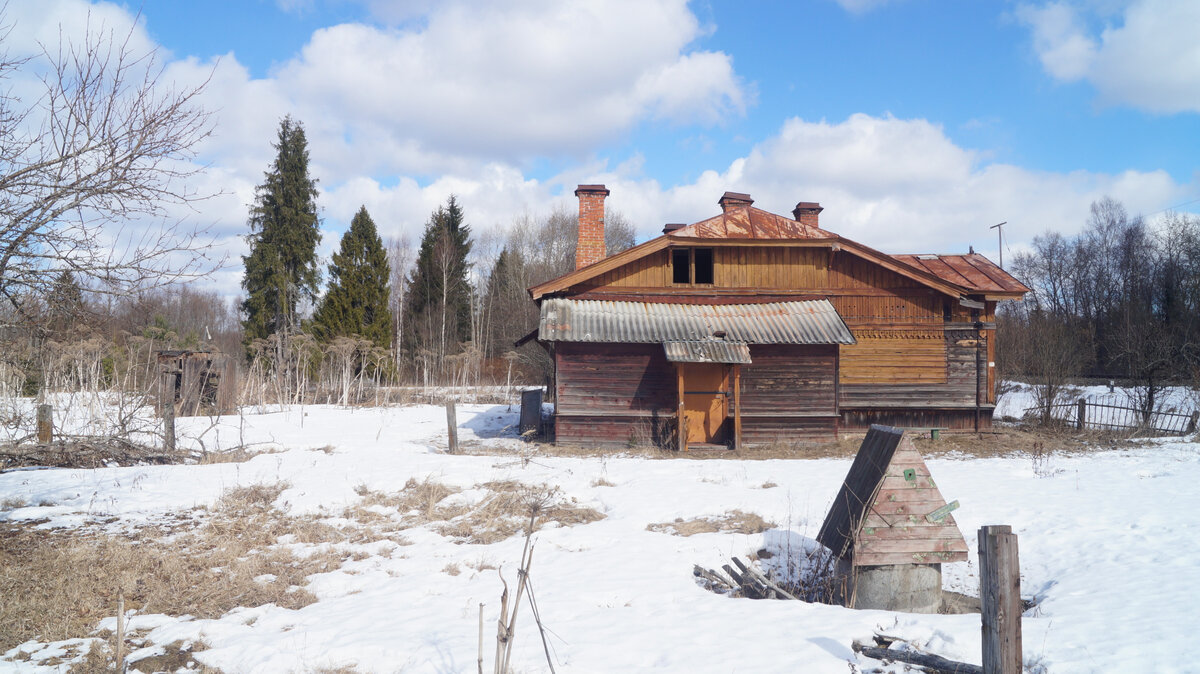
(744, 581)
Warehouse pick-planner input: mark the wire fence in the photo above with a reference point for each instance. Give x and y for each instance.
(1107, 417)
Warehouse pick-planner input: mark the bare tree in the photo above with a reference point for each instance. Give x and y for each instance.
(91, 164)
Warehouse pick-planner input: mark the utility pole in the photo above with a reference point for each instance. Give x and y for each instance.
(1000, 240)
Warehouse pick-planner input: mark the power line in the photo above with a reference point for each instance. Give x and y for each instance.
(1171, 208)
(1000, 239)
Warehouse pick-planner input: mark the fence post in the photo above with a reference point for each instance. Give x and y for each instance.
(1082, 414)
(451, 427)
(1000, 596)
(45, 424)
(1191, 427)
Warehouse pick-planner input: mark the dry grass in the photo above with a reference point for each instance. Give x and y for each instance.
(178, 656)
(510, 508)
(451, 569)
(734, 521)
(503, 512)
(59, 584)
(603, 482)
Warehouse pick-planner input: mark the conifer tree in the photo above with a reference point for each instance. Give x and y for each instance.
(438, 304)
(281, 268)
(507, 305)
(357, 300)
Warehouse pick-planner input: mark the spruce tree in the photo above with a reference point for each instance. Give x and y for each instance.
(506, 302)
(281, 268)
(437, 313)
(357, 300)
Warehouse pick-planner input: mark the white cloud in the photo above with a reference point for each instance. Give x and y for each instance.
(893, 184)
(1147, 58)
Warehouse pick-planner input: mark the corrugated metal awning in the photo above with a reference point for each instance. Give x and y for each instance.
(802, 322)
(709, 351)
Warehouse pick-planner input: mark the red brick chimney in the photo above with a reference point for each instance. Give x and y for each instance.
(731, 200)
(807, 213)
(589, 247)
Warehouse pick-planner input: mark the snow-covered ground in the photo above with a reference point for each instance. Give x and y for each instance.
(1021, 396)
(1107, 546)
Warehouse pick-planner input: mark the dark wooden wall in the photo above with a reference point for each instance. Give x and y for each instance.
(625, 394)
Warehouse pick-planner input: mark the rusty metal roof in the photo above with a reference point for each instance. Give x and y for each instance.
(806, 322)
(974, 272)
(747, 222)
(707, 351)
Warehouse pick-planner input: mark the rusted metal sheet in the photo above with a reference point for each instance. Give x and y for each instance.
(974, 272)
(807, 322)
(707, 351)
(750, 223)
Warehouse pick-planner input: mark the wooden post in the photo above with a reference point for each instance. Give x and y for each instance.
(480, 660)
(1191, 427)
(451, 427)
(1000, 597)
(1082, 414)
(169, 427)
(737, 407)
(45, 424)
(682, 420)
(120, 631)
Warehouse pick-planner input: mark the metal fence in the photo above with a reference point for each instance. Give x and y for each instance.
(1106, 417)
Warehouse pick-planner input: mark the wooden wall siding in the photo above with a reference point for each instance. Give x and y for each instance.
(787, 268)
(651, 271)
(895, 357)
(895, 530)
(851, 271)
(956, 389)
(762, 431)
(887, 310)
(600, 379)
(616, 430)
(955, 419)
(786, 380)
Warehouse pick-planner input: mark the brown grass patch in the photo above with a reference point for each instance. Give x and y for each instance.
(512, 507)
(59, 584)
(734, 521)
(603, 482)
(503, 512)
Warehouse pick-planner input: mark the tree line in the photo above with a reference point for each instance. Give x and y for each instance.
(1119, 301)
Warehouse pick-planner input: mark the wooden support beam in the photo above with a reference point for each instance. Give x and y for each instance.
(1000, 597)
(682, 420)
(737, 407)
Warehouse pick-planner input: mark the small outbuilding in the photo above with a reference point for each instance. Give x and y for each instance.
(197, 383)
(890, 527)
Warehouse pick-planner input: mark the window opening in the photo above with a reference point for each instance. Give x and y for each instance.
(703, 258)
(680, 266)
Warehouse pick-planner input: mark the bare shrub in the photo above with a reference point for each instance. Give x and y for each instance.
(734, 521)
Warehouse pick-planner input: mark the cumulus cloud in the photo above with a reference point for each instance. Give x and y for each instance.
(900, 185)
(1146, 56)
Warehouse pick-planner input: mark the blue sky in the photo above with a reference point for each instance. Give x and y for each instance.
(917, 124)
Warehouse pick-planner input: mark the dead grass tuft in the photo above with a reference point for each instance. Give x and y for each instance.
(602, 482)
(734, 521)
(59, 584)
(451, 569)
(178, 657)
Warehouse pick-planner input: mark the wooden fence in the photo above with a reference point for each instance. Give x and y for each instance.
(1106, 417)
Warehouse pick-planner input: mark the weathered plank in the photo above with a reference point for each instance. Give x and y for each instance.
(1000, 597)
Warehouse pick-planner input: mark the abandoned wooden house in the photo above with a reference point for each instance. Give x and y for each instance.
(751, 327)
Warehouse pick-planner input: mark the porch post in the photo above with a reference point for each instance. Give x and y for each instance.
(737, 407)
(680, 416)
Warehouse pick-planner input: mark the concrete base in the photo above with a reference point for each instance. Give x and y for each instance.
(912, 588)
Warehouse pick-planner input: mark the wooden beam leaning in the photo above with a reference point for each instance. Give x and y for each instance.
(1000, 596)
(737, 407)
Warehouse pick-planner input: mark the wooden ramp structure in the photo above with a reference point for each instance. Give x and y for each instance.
(889, 510)
(196, 383)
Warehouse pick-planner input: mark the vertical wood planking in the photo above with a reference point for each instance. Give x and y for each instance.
(1000, 596)
(451, 427)
(682, 423)
(737, 407)
(45, 424)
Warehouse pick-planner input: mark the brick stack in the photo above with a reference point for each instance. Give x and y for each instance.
(590, 246)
